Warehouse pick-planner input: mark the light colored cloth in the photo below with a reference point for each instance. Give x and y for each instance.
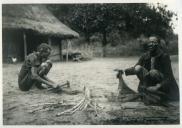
(152, 63)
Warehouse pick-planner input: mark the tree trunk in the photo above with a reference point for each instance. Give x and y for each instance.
(87, 37)
(104, 43)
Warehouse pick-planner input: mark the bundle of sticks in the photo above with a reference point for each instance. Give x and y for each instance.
(83, 104)
(44, 106)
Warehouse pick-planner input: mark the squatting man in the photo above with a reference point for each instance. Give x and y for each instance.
(157, 84)
(35, 68)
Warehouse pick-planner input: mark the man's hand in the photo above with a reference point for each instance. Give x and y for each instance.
(55, 85)
(58, 85)
(67, 84)
(120, 72)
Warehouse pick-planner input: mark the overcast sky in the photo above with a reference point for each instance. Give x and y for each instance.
(175, 6)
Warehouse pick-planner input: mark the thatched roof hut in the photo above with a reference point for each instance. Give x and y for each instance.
(25, 26)
(37, 18)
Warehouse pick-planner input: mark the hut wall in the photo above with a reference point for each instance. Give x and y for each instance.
(56, 51)
(12, 42)
(33, 40)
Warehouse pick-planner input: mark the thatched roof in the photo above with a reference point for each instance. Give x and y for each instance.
(34, 17)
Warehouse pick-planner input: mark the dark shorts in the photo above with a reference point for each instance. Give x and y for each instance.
(151, 78)
(27, 82)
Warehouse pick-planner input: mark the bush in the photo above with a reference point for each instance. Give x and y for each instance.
(131, 48)
(173, 47)
(79, 46)
(119, 44)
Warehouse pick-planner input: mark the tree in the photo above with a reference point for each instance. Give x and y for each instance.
(89, 18)
(148, 19)
(135, 19)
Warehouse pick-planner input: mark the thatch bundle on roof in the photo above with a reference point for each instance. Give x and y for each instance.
(35, 17)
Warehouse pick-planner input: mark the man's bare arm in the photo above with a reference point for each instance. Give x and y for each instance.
(38, 78)
(46, 78)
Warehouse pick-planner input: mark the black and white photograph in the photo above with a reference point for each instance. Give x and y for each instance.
(90, 64)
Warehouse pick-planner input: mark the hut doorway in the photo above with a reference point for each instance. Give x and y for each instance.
(12, 43)
(33, 41)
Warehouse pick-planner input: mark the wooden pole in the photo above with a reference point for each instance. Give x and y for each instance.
(25, 45)
(67, 51)
(60, 51)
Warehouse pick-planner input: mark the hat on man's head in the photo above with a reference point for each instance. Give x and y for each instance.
(43, 47)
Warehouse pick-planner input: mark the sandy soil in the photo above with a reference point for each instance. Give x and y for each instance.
(97, 75)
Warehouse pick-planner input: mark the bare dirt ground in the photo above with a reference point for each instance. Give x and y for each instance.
(99, 77)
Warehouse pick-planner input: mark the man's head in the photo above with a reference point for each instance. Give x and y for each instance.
(44, 50)
(153, 43)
